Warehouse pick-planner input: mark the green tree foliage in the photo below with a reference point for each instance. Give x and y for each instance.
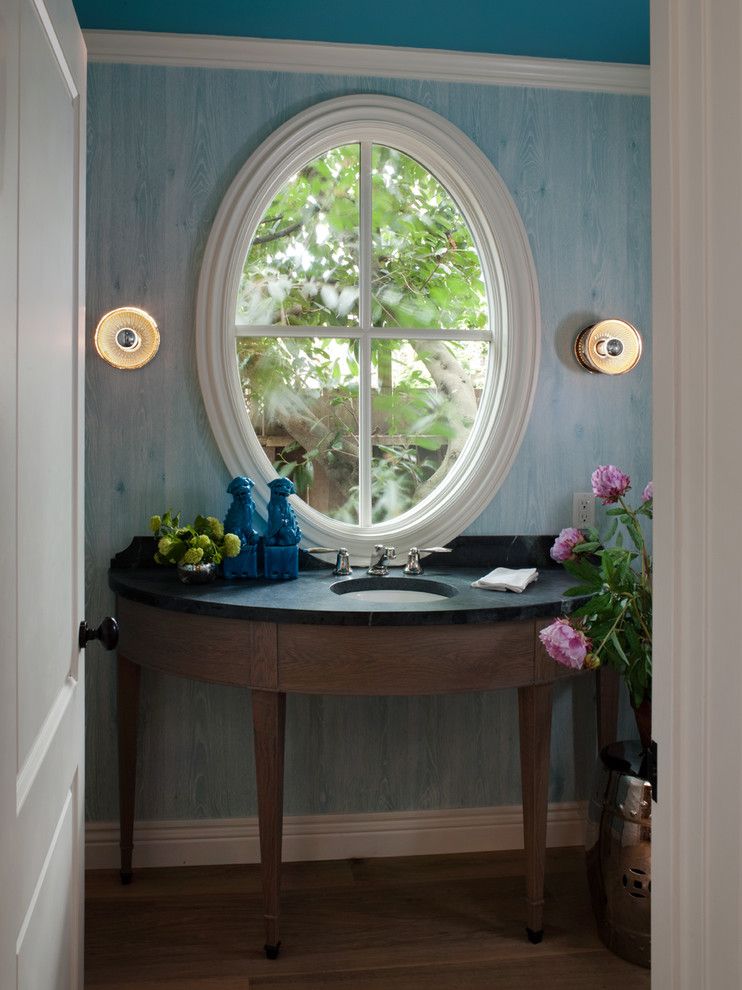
(302, 269)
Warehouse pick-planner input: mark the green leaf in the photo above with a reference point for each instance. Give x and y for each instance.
(618, 648)
(596, 605)
(584, 571)
(427, 443)
(580, 589)
(587, 547)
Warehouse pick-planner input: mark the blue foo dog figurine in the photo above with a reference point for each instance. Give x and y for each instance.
(239, 521)
(283, 534)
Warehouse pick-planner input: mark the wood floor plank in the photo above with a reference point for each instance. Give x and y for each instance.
(584, 971)
(441, 922)
(228, 878)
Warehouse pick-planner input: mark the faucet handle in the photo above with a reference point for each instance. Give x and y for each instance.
(342, 566)
(413, 565)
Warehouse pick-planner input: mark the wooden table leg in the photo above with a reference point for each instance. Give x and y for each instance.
(269, 720)
(129, 675)
(608, 688)
(534, 705)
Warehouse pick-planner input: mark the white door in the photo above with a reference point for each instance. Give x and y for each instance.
(42, 163)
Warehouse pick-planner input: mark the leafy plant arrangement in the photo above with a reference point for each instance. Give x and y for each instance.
(201, 542)
(614, 626)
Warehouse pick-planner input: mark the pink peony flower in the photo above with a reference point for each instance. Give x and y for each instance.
(565, 644)
(565, 544)
(609, 483)
(648, 492)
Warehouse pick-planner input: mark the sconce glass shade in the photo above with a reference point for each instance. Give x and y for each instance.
(127, 338)
(611, 347)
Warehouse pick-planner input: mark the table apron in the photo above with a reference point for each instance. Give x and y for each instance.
(344, 660)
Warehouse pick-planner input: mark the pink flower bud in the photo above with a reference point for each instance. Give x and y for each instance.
(565, 644)
(648, 492)
(565, 543)
(609, 483)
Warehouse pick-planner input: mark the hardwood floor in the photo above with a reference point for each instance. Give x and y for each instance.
(418, 923)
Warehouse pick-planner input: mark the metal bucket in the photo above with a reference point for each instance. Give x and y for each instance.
(618, 848)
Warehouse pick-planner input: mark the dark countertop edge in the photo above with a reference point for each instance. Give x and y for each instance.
(287, 616)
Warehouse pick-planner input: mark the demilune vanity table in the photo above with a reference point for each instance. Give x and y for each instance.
(304, 636)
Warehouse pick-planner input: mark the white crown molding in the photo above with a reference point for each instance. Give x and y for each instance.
(266, 55)
(316, 837)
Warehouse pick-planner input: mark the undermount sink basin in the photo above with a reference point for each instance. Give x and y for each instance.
(393, 590)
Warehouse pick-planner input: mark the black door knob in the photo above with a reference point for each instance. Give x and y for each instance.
(107, 632)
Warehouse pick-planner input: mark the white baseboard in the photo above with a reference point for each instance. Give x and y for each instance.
(208, 842)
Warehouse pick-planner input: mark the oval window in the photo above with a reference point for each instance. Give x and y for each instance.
(368, 323)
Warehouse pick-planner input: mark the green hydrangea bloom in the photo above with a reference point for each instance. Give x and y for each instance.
(165, 546)
(203, 541)
(214, 528)
(155, 523)
(193, 556)
(232, 545)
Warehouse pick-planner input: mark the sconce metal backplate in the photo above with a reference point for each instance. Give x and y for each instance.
(611, 347)
(127, 338)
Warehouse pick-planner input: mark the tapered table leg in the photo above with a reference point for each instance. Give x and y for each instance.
(129, 675)
(269, 720)
(608, 687)
(534, 704)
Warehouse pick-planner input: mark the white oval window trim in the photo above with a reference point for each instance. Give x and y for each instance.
(512, 292)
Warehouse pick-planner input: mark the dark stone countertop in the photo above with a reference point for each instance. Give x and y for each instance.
(310, 600)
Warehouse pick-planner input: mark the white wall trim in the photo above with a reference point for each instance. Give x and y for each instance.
(260, 54)
(697, 697)
(316, 837)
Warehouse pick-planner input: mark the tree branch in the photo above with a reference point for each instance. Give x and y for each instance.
(278, 234)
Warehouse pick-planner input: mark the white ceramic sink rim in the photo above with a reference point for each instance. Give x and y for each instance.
(393, 590)
(391, 596)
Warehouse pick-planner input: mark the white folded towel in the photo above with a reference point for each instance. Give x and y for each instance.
(506, 579)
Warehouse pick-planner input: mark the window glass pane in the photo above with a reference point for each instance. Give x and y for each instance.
(424, 403)
(302, 399)
(302, 266)
(425, 268)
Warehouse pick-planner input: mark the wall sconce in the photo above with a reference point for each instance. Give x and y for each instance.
(611, 347)
(127, 338)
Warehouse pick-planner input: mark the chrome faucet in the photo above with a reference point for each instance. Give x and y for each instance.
(342, 566)
(378, 566)
(413, 559)
(342, 563)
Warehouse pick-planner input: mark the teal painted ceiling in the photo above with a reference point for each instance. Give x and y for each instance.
(594, 30)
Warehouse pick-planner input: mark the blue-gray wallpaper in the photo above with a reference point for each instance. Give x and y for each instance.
(163, 146)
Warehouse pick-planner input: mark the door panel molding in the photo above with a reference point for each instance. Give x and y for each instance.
(42, 195)
(43, 872)
(52, 914)
(56, 47)
(42, 744)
